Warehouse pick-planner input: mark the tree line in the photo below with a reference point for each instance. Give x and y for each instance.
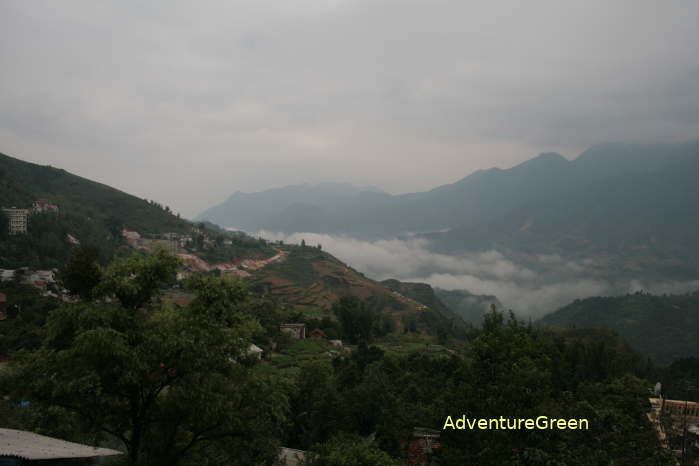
(173, 384)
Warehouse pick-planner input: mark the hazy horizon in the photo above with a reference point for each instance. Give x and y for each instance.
(187, 103)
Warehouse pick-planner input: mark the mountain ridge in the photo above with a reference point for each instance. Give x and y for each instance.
(629, 201)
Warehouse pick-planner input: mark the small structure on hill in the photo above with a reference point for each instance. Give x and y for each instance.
(296, 330)
(318, 334)
(291, 457)
(422, 445)
(255, 351)
(22, 448)
(43, 205)
(336, 343)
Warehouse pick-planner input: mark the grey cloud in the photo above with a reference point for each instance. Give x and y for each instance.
(220, 96)
(555, 283)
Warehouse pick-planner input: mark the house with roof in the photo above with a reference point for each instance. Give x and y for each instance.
(318, 334)
(43, 205)
(421, 446)
(22, 448)
(296, 330)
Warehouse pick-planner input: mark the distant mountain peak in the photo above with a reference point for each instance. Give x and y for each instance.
(545, 158)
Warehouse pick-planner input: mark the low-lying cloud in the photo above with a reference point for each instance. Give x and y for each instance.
(546, 283)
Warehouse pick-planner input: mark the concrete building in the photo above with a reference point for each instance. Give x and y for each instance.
(297, 331)
(678, 408)
(16, 220)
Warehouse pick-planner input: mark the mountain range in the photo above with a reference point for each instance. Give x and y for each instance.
(629, 206)
(311, 280)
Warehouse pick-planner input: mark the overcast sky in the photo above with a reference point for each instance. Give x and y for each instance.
(186, 102)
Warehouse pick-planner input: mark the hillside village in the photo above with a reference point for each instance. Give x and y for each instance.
(317, 314)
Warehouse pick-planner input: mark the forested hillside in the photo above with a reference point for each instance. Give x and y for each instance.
(90, 212)
(664, 328)
(21, 183)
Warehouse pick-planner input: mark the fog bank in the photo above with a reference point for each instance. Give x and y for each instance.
(531, 290)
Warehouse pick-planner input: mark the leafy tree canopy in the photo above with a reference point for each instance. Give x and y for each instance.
(169, 385)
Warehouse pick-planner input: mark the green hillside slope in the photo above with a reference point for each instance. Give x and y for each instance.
(22, 182)
(90, 212)
(664, 328)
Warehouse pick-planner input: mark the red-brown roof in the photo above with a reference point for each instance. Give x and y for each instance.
(3, 298)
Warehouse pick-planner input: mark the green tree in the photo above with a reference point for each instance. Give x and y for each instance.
(135, 279)
(115, 226)
(168, 384)
(349, 450)
(4, 224)
(356, 319)
(81, 274)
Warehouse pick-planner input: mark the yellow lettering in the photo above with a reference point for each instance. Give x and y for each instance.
(448, 423)
(461, 423)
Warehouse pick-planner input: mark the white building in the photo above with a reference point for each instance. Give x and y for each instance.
(16, 220)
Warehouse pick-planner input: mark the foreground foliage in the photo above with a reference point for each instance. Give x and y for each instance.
(170, 385)
(174, 385)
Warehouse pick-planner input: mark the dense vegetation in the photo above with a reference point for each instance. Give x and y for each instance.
(230, 247)
(168, 385)
(21, 183)
(510, 370)
(46, 244)
(26, 312)
(172, 384)
(90, 212)
(662, 327)
(680, 380)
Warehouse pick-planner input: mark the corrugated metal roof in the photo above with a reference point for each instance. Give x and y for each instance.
(31, 446)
